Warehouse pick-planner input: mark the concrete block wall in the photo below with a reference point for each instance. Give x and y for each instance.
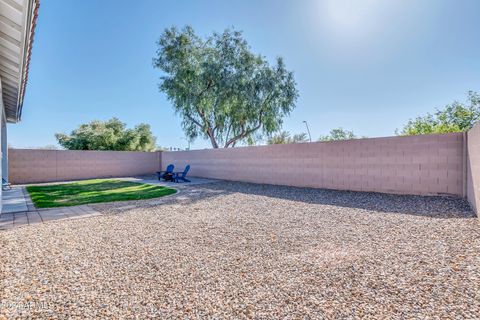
(30, 166)
(422, 165)
(473, 167)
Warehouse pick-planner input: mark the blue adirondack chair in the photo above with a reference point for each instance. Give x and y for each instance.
(181, 175)
(167, 173)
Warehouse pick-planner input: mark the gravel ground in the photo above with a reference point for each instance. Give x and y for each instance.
(234, 250)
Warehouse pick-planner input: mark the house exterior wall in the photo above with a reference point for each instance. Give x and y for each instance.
(421, 165)
(2, 142)
(31, 166)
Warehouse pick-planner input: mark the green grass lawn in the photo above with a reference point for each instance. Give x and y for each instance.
(93, 191)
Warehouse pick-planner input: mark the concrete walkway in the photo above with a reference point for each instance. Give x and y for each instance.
(13, 200)
(18, 210)
(18, 219)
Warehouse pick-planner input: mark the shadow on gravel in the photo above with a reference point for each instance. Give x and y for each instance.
(425, 206)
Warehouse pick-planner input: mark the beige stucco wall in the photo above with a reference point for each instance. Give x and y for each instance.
(29, 166)
(428, 164)
(473, 167)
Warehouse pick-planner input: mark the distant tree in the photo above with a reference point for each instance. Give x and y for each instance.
(108, 135)
(221, 89)
(300, 138)
(284, 137)
(455, 117)
(338, 134)
(281, 137)
(48, 147)
(160, 148)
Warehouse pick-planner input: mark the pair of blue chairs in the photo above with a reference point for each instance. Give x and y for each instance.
(170, 175)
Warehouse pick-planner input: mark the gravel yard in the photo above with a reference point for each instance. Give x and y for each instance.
(236, 250)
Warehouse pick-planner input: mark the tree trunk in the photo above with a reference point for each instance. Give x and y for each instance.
(214, 143)
(212, 139)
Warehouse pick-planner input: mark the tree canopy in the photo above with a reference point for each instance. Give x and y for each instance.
(338, 134)
(454, 117)
(284, 137)
(108, 135)
(221, 89)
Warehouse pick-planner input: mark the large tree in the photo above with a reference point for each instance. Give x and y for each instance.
(221, 89)
(108, 135)
(454, 117)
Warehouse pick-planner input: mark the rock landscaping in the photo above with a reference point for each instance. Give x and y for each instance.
(238, 250)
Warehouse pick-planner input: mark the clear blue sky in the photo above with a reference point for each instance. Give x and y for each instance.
(367, 66)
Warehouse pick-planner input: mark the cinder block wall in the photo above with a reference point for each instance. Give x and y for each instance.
(473, 167)
(30, 166)
(422, 165)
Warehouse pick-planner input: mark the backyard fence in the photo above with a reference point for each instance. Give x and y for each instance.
(30, 166)
(438, 164)
(472, 159)
(427, 164)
